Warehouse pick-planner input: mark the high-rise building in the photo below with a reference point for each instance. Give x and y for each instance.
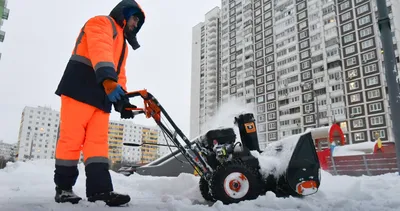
(205, 68)
(139, 134)
(115, 141)
(37, 133)
(4, 13)
(6, 150)
(305, 64)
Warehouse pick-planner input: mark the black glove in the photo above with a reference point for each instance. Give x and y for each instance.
(121, 106)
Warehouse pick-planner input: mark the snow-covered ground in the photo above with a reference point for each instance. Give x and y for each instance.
(29, 186)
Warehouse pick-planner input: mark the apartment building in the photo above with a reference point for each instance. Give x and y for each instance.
(205, 71)
(314, 63)
(6, 150)
(148, 137)
(38, 133)
(115, 141)
(4, 13)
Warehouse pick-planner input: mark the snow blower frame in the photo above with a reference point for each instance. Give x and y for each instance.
(228, 171)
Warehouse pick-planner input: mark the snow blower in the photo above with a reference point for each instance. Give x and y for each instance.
(228, 170)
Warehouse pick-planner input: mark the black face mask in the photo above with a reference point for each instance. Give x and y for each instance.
(130, 36)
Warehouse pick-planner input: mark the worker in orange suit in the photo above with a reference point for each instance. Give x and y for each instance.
(94, 80)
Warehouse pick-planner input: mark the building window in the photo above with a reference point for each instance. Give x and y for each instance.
(355, 98)
(352, 73)
(271, 96)
(354, 85)
(309, 119)
(347, 27)
(371, 68)
(365, 32)
(377, 120)
(271, 106)
(304, 55)
(271, 136)
(345, 5)
(359, 136)
(271, 86)
(272, 116)
(348, 38)
(261, 108)
(305, 65)
(260, 90)
(364, 20)
(356, 110)
(368, 56)
(350, 49)
(272, 126)
(262, 128)
(345, 16)
(261, 118)
(372, 81)
(309, 108)
(381, 133)
(373, 94)
(363, 9)
(374, 107)
(351, 61)
(260, 99)
(358, 123)
(367, 44)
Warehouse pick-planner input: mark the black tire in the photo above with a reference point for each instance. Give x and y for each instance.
(204, 190)
(252, 175)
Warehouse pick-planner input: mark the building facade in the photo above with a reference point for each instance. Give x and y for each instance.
(205, 77)
(4, 13)
(140, 134)
(115, 141)
(6, 150)
(38, 133)
(307, 64)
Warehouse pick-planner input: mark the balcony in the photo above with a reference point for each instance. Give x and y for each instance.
(212, 47)
(6, 13)
(212, 35)
(2, 35)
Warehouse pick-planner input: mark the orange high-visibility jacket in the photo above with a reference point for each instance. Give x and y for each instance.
(99, 53)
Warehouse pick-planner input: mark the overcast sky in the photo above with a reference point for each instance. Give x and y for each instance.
(40, 36)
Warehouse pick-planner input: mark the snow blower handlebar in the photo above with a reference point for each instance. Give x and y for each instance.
(153, 109)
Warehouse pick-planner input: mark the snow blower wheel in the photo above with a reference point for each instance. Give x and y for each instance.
(205, 190)
(234, 181)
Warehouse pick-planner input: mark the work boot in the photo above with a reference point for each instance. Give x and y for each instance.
(63, 196)
(112, 198)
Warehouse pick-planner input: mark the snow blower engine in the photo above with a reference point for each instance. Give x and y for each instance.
(228, 170)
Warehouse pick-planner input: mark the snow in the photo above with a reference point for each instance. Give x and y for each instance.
(274, 162)
(354, 149)
(29, 186)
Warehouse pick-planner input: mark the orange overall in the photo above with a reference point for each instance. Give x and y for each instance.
(99, 54)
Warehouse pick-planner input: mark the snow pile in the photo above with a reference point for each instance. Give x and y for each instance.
(29, 186)
(354, 149)
(273, 161)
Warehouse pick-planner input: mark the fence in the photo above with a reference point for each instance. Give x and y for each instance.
(358, 165)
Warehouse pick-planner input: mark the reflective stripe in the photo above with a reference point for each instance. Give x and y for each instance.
(79, 39)
(104, 64)
(60, 162)
(115, 33)
(96, 160)
(81, 59)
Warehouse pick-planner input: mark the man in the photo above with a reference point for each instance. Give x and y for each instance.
(93, 81)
